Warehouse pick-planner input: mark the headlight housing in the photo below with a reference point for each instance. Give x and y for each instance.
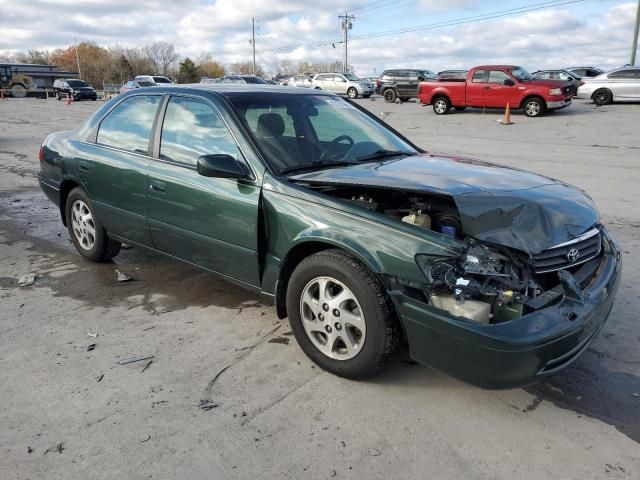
(555, 91)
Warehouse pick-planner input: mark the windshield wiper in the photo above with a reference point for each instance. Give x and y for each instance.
(383, 154)
(316, 165)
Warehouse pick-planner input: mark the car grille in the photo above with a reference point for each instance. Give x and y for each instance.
(568, 254)
(567, 90)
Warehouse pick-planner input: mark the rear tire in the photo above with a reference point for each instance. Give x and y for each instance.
(441, 105)
(364, 334)
(389, 95)
(18, 90)
(602, 96)
(86, 232)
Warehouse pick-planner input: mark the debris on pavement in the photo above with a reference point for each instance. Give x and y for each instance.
(374, 452)
(146, 439)
(99, 379)
(207, 404)
(91, 347)
(92, 335)
(27, 279)
(125, 361)
(147, 365)
(59, 447)
(29, 450)
(122, 277)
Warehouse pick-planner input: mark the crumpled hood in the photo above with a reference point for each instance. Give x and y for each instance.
(497, 204)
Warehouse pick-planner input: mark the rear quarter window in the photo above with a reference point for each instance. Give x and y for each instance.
(129, 124)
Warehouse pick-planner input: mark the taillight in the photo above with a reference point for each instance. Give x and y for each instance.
(581, 83)
(40, 154)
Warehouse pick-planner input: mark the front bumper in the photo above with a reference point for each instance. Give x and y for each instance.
(516, 353)
(555, 105)
(85, 95)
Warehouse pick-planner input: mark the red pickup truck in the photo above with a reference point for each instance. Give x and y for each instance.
(495, 86)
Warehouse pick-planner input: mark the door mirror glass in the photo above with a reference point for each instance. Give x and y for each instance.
(508, 82)
(221, 166)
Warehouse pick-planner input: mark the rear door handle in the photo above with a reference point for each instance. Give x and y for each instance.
(84, 165)
(157, 186)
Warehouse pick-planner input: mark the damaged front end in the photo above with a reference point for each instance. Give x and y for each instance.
(493, 314)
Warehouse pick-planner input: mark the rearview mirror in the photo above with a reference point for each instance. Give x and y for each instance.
(221, 166)
(508, 82)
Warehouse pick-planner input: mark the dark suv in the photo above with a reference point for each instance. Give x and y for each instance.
(401, 83)
(78, 89)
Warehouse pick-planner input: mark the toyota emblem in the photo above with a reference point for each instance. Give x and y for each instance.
(573, 255)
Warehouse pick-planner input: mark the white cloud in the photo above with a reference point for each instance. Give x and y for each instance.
(555, 37)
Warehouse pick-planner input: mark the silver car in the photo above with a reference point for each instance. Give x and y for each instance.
(343, 84)
(620, 85)
(300, 81)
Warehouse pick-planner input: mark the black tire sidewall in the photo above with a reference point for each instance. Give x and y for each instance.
(97, 253)
(447, 101)
(365, 362)
(604, 92)
(352, 89)
(392, 95)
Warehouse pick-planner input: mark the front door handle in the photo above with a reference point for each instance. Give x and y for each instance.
(157, 186)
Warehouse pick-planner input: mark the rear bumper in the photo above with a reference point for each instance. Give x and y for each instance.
(51, 191)
(516, 353)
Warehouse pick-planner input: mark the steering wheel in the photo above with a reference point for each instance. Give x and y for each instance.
(325, 155)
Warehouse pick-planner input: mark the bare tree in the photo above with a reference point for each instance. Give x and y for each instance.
(163, 55)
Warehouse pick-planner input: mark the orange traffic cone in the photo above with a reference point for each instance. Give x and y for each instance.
(506, 120)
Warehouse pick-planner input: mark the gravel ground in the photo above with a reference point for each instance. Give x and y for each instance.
(67, 412)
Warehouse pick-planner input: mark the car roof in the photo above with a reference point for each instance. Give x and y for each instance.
(233, 89)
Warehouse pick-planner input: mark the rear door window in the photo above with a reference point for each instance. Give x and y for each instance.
(478, 76)
(129, 124)
(192, 128)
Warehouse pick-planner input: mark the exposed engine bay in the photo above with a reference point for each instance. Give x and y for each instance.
(487, 283)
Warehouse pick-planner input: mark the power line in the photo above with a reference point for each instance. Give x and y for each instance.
(464, 20)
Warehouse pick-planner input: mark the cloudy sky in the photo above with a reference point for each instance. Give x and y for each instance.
(451, 34)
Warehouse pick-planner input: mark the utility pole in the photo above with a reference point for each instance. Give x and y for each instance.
(78, 58)
(346, 23)
(253, 42)
(634, 45)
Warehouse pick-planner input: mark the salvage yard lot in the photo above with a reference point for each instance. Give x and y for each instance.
(68, 412)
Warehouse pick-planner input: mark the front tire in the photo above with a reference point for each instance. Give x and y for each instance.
(534, 107)
(352, 93)
(602, 97)
(86, 232)
(441, 105)
(341, 315)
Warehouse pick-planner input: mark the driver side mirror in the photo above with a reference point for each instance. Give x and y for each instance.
(509, 82)
(221, 166)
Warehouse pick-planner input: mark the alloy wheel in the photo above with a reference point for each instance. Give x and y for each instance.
(83, 225)
(440, 106)
(532, 109)
(332, 318)
(353, 93)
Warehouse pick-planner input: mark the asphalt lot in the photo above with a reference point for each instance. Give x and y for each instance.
(68, 413)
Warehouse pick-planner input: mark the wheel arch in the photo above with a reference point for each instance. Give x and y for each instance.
(65, 188)
(304, 248)
(531, 96)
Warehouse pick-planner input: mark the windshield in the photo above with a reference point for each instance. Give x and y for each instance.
(521, 74)
(77, 83)
(315, 131)
(351, 77)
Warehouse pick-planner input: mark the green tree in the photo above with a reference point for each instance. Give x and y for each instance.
(188, 72)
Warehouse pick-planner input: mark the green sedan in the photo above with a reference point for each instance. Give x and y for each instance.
(497, 276)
